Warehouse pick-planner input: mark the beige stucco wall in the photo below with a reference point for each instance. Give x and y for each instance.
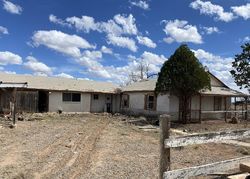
(163, 103)
(98, 105)
(56, 103)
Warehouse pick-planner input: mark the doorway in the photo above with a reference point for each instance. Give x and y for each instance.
(43, 101)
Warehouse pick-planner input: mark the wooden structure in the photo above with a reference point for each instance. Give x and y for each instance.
(10, 90)
(167, 143)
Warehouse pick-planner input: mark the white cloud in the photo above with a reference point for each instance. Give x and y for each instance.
(85, 23)
(3, 30)
(127, 23)
(242, 11)
(142, 4)
(124, 42)
(210, 30)
(146, 41)
(207, 8)
(181, 31)
(61, 42)
(11, 7)
(7, 58)
(106, 50)
(64, 75)
(37, 67)
(54, 19)
(120, 24)
(246, 39)
(218, 65)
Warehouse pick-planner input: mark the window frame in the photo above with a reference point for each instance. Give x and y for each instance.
(123, 100)
(72, 97)
(148, 102)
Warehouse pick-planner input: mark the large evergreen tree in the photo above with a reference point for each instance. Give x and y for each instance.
(241, 65)
(182, 75)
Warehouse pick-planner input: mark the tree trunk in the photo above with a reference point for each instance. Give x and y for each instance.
(184, 102)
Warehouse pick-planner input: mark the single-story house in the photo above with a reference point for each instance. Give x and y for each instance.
(51, 94)
(139, 98)
(47, 94)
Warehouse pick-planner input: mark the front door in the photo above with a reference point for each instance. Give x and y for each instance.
(109, 103)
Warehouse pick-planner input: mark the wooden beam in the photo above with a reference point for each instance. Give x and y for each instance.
(164, 152)
(206, 138)
(206, 169)
(208, 112)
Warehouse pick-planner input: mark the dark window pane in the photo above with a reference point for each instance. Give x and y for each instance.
(66, 96)
(96, 96)
(76, 97)
(150, 105)
(150, 98)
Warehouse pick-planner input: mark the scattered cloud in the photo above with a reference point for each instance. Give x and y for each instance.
(54, 19)
(180, 31)
(124, 42)
(61, 42)
(216, 11)
(218, 65)
(64, 75)
(210, 30)
(3, 30)
(146, 41)
(11, 7)
(119, 25)
(242, 11)
(106, 50)
(141, 4)
(37, 67)
(9, 58)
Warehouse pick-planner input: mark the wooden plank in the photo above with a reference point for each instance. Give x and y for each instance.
(210, 112)
(206, 138)
(164, 152)
(206, 169)
(245, 166)
(238, 176)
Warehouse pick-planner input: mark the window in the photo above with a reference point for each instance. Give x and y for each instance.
(150, 102)
(217, 103)
(71, 97)
(96, 96)
(125, 100)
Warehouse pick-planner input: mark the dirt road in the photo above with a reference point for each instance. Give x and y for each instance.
(91, 146)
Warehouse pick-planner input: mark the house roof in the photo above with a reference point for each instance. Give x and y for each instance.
(144, 85)
(149, 85)
(57, 83)
(221, 91)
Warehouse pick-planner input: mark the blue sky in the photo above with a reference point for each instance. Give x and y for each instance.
(107, 40)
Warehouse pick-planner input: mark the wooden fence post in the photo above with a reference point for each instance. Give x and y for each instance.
(13, 106)
(164, 152)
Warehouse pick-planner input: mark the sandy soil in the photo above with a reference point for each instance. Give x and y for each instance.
(95, 146)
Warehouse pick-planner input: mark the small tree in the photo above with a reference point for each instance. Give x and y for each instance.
(184, 76)
(241, 71)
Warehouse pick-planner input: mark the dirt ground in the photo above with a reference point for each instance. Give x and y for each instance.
(97, 146)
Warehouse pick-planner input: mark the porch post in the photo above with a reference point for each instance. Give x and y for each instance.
(225, 104)
(235, 106)
(200, 110)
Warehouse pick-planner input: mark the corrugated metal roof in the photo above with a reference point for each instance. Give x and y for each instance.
(59, 84)
(149, 85)
(221, 91)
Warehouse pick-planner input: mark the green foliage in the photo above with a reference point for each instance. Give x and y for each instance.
(241, 71)
(182, 74)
